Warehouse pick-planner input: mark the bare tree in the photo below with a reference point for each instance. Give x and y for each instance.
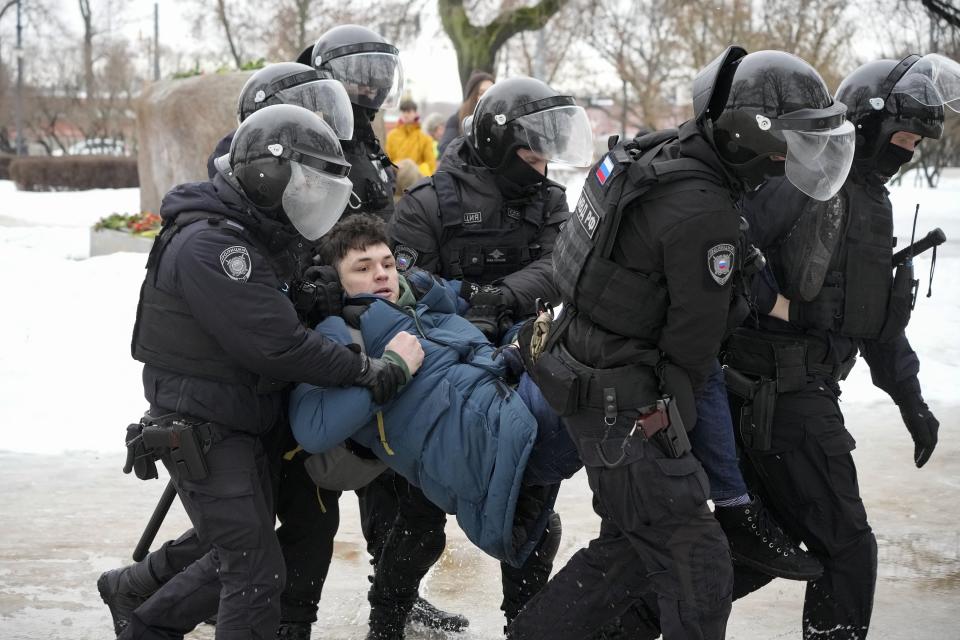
(88, 32)
(639, 40)
(477, 46)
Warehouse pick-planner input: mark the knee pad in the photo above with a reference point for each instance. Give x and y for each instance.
(550, 543)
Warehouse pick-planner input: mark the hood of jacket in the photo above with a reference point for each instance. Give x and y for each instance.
(220, 197)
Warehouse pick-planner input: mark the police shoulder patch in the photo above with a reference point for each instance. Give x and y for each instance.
(236, 263)
(720, 259)
(406, 257)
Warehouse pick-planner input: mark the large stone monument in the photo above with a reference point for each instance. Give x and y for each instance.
(179, 122)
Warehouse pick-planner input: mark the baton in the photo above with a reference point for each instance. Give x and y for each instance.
(932, 239)
(153, 526)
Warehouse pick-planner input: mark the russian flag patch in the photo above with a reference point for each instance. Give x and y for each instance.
(604, 170)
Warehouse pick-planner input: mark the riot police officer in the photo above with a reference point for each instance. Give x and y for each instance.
(124, 589)
(832, 263)
(645, 266)
(369, 67)
(220, 340)
(486, 219)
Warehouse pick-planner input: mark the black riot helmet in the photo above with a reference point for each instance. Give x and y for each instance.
(886, 96)
(770, 113)
(288, 162)
(526, 113)
(367, 65)
(300, 85)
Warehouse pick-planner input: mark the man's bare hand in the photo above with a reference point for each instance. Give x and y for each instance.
(407, 346)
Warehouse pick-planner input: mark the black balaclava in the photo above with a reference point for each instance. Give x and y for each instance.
(518, 174)
(891, 158)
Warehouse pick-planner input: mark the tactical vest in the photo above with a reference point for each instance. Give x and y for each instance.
(845, 242)
(483, 255)
(166, 334)
(371, 173)
(618, 299)
(867, 248)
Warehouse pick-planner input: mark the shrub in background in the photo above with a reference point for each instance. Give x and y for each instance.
(5, 160)
(73, 173)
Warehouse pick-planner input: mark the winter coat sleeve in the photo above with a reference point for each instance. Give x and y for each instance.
(415, 231)
(894, 366)
(252, 319)
(536, 279)
(323, 417)
(697, 315)
(450, 132)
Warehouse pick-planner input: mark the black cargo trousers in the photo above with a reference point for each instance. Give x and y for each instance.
(241, 574)
(809, 480)
(657, 535)
(405, 537)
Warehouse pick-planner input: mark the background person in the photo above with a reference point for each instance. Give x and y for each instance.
(477, 84)
(408, 141)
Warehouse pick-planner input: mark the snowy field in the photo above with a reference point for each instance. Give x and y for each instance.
(68, 387)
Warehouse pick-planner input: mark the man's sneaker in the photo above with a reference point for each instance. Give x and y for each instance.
(429, 616)
(115, 593)
(757, 541)
(294, 631)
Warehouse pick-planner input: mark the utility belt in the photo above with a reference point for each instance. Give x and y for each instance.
(757, 367)
(788, 360)
(184, 439)
(570, 386)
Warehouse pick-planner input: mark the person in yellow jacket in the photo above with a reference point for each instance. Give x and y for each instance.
(407, 140)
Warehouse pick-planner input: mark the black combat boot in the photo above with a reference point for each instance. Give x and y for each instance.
(430, 616)
(757, 541)
(125, 589)
(386, 623)
(294, 631)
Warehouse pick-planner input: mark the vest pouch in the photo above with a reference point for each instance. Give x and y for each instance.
(558, 382)
(902, 296)
(867, 290)
(622, 301)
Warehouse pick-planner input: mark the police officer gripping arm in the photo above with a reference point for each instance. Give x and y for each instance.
(489, 216)
(832, 262)
(220, 339)
(645, 267)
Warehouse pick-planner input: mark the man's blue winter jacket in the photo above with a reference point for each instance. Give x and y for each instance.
(456, 430)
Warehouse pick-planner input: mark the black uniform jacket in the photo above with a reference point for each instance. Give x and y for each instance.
(233, 276)
(676, 235)
(417, 223)
(773, 212)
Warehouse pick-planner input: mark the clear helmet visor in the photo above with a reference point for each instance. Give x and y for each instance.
(818, 162)
(561, 134)
(373, 80)
(314, 200)
(933, 81)
(328, 99)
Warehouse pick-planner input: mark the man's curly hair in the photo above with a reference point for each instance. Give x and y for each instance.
(354, 232)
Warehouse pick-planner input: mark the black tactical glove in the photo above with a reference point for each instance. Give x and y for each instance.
(318, 294)
(488, 308)
(823, 312)
(383, 376)
(921, 424)
(510, 356)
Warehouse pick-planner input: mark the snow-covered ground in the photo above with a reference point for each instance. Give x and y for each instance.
(68, 387)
